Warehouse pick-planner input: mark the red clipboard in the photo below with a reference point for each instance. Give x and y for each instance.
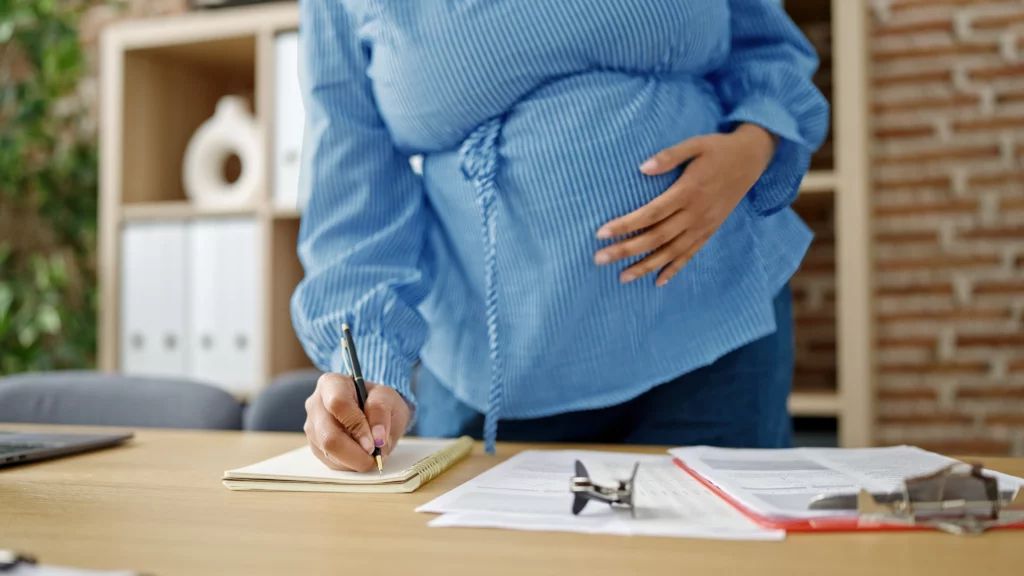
(836, 524)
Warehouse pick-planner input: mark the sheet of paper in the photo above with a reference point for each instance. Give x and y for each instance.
(530, 491)
(782, 483)
(301, 464)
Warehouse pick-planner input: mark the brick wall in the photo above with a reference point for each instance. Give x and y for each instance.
(948, 111)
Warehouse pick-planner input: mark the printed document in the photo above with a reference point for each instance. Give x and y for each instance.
(530, 491)
(782, 483)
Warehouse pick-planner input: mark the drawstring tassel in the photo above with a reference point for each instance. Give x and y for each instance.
(479, 159)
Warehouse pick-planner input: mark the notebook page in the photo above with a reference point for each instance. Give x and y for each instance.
(303, 466)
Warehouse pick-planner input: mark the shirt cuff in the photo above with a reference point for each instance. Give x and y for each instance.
(779, 184)
(382, 364)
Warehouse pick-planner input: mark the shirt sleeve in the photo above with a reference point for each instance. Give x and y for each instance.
(362, 236)
(767, 81)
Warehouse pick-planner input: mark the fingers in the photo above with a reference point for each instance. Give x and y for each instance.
(329, 441)
(677, 264)
(661, 234)
(339, 397)
(655, 211)
(378, 413)
(669, 158)
(659, 259)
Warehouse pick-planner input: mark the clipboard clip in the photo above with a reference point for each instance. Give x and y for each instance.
(585, 490)
(959, 499)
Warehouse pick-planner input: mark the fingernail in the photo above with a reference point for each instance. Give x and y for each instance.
(378, 436)
(649, 165)
(604, 233)
(366, 443)
(627, 278)
(661, 282)
(601, 259)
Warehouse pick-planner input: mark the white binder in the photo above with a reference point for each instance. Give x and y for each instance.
(153, 301)
(289, 116)
(226, 281)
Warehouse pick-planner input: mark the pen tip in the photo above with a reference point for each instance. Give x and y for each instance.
(380, 466)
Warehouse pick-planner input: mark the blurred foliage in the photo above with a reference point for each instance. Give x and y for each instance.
(48, 185)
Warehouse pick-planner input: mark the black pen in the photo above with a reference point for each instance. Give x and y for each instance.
(353, 361)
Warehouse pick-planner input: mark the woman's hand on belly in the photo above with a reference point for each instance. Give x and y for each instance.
(675, 225)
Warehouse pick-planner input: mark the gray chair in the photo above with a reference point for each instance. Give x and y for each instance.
(281, 406)
(94, 398)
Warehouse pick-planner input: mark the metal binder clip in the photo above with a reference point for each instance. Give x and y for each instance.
(585, 490)
(958, 499)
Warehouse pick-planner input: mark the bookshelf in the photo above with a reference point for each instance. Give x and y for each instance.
(146, 124)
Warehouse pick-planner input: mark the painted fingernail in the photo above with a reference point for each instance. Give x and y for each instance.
(601, 259)
(650, 164)
(604, 233)
(378, 436)
(627, 278)
(366, 443)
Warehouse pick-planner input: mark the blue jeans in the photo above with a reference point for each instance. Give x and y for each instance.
(739, 401)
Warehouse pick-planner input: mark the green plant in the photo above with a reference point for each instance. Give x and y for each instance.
(48, 197)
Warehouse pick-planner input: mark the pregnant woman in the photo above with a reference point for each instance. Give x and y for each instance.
(600, 244)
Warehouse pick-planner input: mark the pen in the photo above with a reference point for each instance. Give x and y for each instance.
(353, 363)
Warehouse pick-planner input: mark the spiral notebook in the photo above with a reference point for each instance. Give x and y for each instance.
(413, 463)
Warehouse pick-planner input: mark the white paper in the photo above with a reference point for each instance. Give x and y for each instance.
(782, 483)
(302, 464)
(530, 491)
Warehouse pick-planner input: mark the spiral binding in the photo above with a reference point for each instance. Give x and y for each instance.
(429, 468)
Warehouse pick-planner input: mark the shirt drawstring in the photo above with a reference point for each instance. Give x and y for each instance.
(479, 159)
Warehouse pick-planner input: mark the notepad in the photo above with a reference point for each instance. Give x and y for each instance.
(413, 463)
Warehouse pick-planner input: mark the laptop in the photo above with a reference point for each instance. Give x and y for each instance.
(23, 447)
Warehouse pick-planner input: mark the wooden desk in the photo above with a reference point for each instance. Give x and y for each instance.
(157, 505)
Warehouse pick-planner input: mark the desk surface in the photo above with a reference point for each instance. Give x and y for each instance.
(157, 505)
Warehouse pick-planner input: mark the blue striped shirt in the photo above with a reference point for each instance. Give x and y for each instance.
(532, 119)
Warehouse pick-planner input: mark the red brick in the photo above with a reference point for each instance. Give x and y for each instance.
(1014, 420)
(1004, 233)
(927, 419)
(990, 340)
(926, 342)
(904, 5)
(930, 103)
(947, 261)
(905, 132)
(993, 72)
(958, 206)
(916, 237)
(942, 315)
(981, 124)
(912, 78)
(947, 368)
(941, 182)
(935, 52)
(956, 153)
(940, 288)
(902, 394)
(990, 393)
(1010, 97)
(995, 21)
(995, 179)
(814, 318)
(937, 25)
(968, 447)
(1010, 287)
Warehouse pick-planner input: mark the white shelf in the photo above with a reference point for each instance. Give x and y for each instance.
(814, 404)
(178, 210)
(819, 182)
